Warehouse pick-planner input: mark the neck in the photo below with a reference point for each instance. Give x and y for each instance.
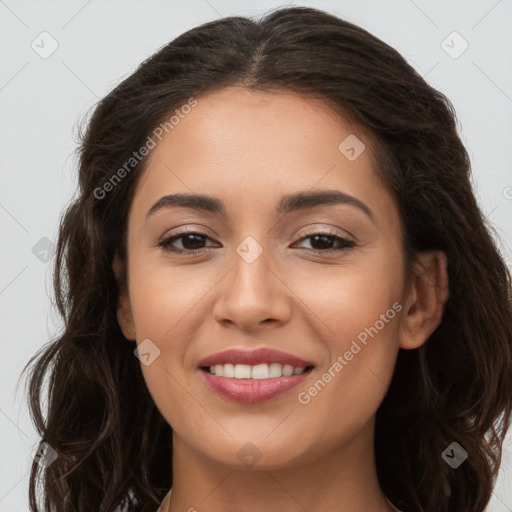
(342, 479)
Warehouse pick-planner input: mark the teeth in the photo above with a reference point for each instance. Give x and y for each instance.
(228, 370)
(287, 370)
(275, 370)
(242, 371)
(259, 371)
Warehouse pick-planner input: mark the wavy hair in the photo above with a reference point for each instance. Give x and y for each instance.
(113, 446)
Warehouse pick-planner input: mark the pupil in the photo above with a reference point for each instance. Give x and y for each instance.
(324, 244)
(188, 238)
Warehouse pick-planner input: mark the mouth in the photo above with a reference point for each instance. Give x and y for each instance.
(253, 376)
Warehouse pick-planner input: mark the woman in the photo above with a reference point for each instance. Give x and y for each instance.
(279, 292)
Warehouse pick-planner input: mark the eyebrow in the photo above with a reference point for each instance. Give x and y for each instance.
(288, 203)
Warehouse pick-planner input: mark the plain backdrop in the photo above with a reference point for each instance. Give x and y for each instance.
(58, 58)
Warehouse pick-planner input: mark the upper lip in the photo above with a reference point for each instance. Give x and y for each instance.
(254, 357)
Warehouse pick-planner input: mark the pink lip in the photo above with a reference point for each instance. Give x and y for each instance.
(254, 357)
(252, 390)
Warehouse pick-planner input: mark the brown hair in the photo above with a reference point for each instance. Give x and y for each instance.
(113, 445)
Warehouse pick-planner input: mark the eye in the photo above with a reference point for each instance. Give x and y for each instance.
(193, 242)
(324, 242)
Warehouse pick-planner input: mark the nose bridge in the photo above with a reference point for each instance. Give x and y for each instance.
(252, 272)
(252, 293)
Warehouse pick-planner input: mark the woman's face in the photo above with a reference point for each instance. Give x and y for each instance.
(260, 279)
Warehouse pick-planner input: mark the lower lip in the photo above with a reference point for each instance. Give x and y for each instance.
(252, 391)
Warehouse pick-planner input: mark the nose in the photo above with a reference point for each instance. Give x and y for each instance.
(252, 295)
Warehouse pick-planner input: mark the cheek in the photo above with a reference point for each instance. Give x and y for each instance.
(162, 297)
(169, 306)
(357, 310)
(165, 314)
(351, 298)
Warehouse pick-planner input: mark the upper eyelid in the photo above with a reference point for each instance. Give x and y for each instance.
(308, 232)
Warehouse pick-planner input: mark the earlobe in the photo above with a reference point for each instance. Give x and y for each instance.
(426, 299)
(124, 313)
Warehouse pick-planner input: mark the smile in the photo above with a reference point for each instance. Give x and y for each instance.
(253, 376)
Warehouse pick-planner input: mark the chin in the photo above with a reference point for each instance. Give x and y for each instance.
(257, 453)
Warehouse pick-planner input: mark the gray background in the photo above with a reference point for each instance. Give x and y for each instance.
(100, 43)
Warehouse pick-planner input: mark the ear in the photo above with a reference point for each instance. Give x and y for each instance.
(425, 299)
(124, 311)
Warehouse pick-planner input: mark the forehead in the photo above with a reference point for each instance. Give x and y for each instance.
(251, 147)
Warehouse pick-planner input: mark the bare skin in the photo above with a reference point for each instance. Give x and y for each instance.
(249, 149)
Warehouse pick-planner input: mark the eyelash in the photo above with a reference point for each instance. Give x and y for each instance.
(165, 244)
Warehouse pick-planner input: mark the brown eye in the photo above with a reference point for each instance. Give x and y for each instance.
(191, 242)
(327, 242)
